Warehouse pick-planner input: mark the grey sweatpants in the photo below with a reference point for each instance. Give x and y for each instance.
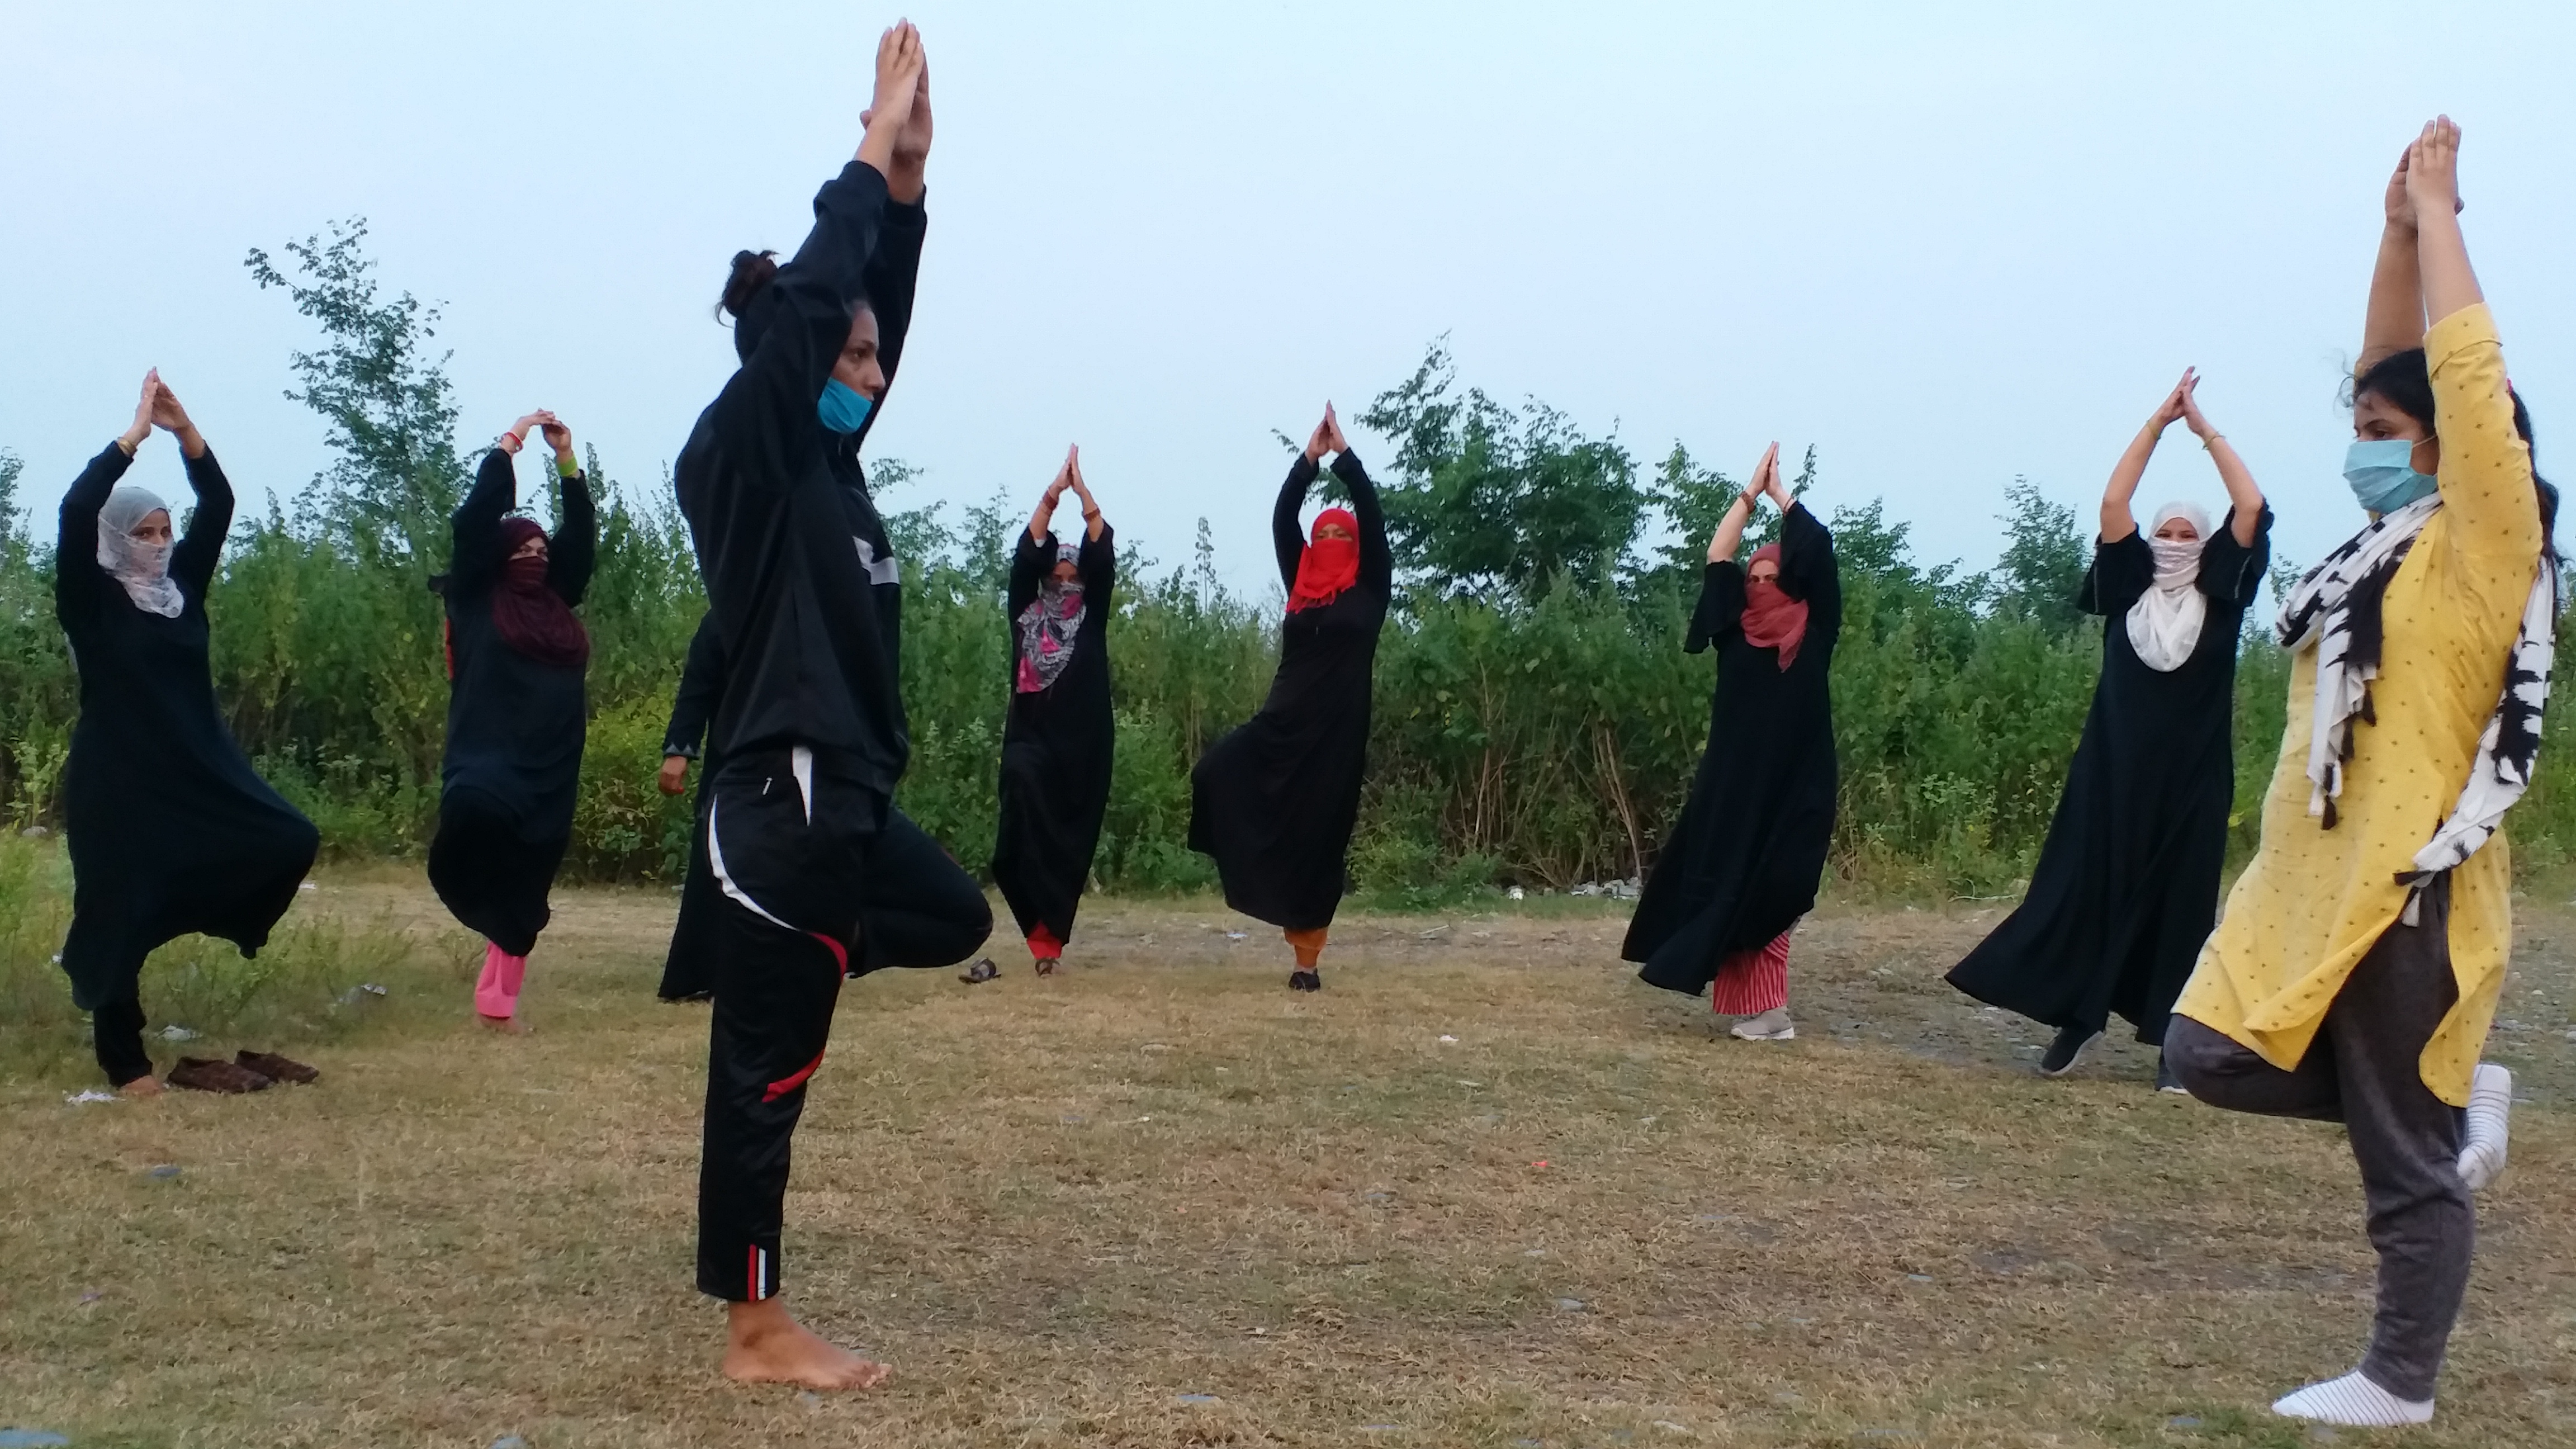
(2364, 1071)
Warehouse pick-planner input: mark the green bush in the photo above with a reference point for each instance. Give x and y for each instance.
(1536, 721)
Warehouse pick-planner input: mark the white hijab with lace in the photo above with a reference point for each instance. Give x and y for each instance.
(2164, 624)
(143, 568)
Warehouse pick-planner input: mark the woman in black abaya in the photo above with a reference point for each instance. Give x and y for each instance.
(170, 831)
(1741, 864)
(688, 971)
(515, 710)
(1275, 800)
(2126, 888)
(1059, 738)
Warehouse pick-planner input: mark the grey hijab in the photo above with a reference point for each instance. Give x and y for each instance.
(143, 568)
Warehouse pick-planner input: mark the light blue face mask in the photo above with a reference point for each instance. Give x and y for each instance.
(844, 408)
(2382, 474)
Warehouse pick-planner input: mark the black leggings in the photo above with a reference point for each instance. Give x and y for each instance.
(818, 879)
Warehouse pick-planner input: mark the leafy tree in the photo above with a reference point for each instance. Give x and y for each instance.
(2044, 559)
(1484, 501)
(391, 412)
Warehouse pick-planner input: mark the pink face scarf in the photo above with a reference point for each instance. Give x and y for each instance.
(1772, 620)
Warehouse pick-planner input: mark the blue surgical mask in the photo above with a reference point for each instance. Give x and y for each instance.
(844, 408)
(2382, 474)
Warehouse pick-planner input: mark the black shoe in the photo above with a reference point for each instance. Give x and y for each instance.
(2166, 1081)
(981, 972)
(1306, 980)
(2066, 1050)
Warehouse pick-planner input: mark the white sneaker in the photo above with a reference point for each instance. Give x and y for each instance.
(2355, 1403)
(1772, 1025)
(2490, 1108)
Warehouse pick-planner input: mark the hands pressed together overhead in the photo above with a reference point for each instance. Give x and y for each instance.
(1327, 437)
(898, 119)
(558, 436)
(159, 408)
(1068, 476)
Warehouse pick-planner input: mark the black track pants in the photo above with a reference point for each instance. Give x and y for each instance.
(820, 878)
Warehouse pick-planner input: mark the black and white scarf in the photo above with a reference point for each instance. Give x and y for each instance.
(2336, 610)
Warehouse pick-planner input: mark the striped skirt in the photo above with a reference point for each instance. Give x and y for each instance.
(1750, 983)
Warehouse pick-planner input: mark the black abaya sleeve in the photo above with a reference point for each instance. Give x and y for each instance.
(1285, 535)
(1029, 563)
(78, 580)
(1808, 570)
(893, 270)
(2123, 569)
(1720, 607)
(701, 685)
(192, 563)
(1377, 561)
(574, 550)
(1098, 565)
(2231, 572)
(477, 526)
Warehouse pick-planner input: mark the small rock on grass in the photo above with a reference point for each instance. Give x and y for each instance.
(31, 1439)
(164, 1172)
(1194, 1398)
(506, 1441)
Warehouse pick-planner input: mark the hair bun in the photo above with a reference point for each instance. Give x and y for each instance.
(751, 272)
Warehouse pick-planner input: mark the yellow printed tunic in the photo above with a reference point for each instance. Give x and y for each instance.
(2314, 900)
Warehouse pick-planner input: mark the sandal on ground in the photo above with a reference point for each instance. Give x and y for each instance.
(1306, 980)
(207, 1074)
(276, 1068)
(981, 972)
(1046, 966)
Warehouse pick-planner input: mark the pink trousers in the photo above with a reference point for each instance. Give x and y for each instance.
(1750, 983)
(496, 991)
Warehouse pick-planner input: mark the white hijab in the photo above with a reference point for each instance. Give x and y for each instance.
(143, 568)
(2164, 624)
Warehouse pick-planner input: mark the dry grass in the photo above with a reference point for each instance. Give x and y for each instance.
(1063, 1209)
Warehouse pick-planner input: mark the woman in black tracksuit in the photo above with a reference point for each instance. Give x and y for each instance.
(821, 876)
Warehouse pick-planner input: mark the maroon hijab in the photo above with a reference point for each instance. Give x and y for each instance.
(532, 618)
(1772, 620)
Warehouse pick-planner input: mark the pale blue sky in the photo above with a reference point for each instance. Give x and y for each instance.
(1945, 243)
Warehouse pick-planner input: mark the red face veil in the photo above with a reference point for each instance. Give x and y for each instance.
(1329, 565)
(1772, 620)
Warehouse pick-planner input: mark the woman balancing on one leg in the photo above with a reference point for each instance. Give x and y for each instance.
(170, 831)
(1059, 738)
(688, 971)
(2357, 968)
(820, 875)
(516, 657)
(2127, 886)
(1740, 866)
(1274, 801)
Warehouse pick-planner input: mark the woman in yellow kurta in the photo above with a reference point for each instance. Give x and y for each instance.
(2357, 966)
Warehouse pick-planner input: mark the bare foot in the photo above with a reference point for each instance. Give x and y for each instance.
(505, 1025)
(766, 1346)
(143, 1087)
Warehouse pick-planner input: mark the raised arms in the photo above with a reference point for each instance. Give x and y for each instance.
(2441, 250)
(2242, 495)
(574, 550)
(1730, 529)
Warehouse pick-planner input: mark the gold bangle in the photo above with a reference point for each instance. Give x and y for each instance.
(2209, 444)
